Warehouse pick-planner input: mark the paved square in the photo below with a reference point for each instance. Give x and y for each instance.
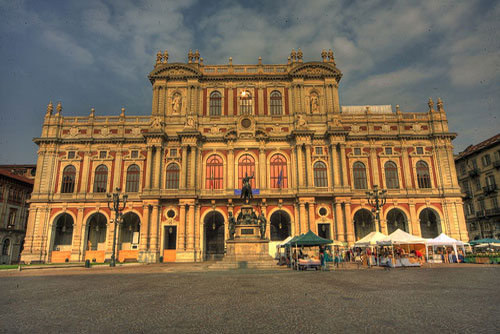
(153, 299)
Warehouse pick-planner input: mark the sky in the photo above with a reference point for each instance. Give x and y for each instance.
(98, 54)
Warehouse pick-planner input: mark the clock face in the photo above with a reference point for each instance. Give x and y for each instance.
(246, 123)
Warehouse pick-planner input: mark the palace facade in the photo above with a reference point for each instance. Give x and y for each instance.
(311, 159)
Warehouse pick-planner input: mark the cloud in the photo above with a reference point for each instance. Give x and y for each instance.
(67, 46)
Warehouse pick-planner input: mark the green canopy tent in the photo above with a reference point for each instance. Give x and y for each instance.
(484, 241)
(310, 239)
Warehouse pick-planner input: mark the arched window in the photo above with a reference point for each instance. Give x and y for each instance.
(359, 172)
(278, 171)
(320, 174)
(68, 179)
(246, 166)
(133, 173)
(214, 172)
(172, 176)
(215, 108)
(276, 103)
(423, 175)
(391, 175)
(101, 179)
(245, 103)
(6, 247)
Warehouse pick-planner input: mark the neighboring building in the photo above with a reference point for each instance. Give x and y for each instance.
(15, 190)
(479, 174)
(312, 162)
(28, 171)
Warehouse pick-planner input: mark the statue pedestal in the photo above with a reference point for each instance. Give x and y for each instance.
(246, 249)
(247, 245)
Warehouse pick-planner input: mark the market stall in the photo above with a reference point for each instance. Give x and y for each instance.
(445, 241)
(310, 239)
(406, 241)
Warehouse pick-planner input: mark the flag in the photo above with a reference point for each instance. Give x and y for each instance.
(280, 178)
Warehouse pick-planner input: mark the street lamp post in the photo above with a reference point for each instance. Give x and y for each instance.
(115, 200)
(376, 198)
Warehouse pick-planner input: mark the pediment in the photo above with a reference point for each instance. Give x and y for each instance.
(316, 70)
(174, 70)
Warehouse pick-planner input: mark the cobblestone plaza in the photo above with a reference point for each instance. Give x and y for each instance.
(165, 298)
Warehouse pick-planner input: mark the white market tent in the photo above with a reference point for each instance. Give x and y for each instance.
(444, 240)
(370, 239)
(400, 237)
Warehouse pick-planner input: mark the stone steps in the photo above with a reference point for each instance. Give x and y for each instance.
(244, 264)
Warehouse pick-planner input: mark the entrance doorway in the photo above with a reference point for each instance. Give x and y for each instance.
(169, 243)
(214, 236)
(280, 225)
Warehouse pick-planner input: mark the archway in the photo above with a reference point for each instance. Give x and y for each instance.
(396, 219)
(280, 225)
(96, 232)
(129, 232)
(363, 223)
(63, 234)
(430, 225)
(214, 236)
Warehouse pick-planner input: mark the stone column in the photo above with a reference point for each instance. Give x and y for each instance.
(339, 222)
(310, 180)
(349, 224)
(414, 222)
(300, 169)
(406, 166)
(192, 180)
(375, 172)
(28, 239)
(85, 172)
(157, 171)
(183, 167)
(262, 168)
(196, 233)
(155, 100)
(190, 228)
(182, 227)
(149, 163)
(118, 170)
(303, 217)
(296, 229)
(77, 237)
(312, 218)
(230, 169)
(332, 173)
(154, 230)
(39, 164)
(161, 101)
(143, 247)
(343, 161)
(292, 176)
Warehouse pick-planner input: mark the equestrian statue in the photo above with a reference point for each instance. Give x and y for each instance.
(246, 190)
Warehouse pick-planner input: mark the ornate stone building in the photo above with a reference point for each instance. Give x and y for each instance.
(311, 160)
(478, 169)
